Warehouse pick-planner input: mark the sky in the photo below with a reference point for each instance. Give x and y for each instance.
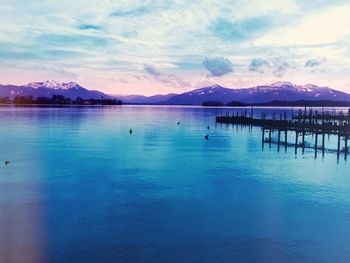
(172, 46)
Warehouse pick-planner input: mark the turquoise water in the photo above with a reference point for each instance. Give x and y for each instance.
(79, 188)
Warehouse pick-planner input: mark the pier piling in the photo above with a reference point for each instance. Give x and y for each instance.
(296, 142)
(279, 140)
(316, 139)
(312, 123)
(346, 148)
(285, 139)
(323, 139)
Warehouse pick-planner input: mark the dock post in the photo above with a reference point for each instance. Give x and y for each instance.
(270, 133)
(316, 139)
(338, 147)
(296, 142)
(263, 137)
(346, 148)
(285, 139)
(279, 140)
(323, 139)
(303, 140)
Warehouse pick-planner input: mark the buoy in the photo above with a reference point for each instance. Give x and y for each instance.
(178, 123)
(7, 162)
(208, 127)
(130, 131)
(206, 137)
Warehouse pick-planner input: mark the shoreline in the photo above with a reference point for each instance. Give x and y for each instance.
(164, 106)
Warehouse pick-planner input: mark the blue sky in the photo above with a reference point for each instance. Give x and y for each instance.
(151, 47)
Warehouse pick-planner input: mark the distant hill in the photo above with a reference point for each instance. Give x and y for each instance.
(281, 91)
(49, 88)
(140, 99)
(302, 103)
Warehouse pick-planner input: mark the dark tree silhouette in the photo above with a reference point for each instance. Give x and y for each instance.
(59, 100)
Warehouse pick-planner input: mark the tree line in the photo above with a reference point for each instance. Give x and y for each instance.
(281, 103)
(58, 100)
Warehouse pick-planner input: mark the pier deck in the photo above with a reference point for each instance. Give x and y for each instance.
(314, 124)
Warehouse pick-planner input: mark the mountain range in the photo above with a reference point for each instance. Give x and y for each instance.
(282, 91)
(49, 88)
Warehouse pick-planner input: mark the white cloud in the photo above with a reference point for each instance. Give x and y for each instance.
(218, 66)
(326, 27)
(173, 37)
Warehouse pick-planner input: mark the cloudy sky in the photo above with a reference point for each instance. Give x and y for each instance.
(150, 47)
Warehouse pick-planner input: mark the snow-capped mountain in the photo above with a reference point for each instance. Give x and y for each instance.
(260, 94)
(49, 88)
(52, 84)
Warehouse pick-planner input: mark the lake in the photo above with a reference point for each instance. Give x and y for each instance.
(80, 188)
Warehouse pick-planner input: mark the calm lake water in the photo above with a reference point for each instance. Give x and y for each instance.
(79, 188)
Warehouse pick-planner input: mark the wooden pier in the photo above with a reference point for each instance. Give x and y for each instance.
(320, 116)
(302, 124)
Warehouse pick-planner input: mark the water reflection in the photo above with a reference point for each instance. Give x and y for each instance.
(22, 223)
